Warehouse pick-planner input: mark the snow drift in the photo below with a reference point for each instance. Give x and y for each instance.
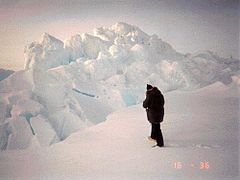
(68, 86)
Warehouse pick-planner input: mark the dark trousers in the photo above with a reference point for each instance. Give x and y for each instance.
(157, 134)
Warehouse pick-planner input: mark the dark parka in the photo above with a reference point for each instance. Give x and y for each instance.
(154, 104)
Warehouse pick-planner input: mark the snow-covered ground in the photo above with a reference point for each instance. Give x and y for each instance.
(201, 134)
(75, 110)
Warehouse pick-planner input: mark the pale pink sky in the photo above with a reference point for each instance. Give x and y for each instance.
(188, 25)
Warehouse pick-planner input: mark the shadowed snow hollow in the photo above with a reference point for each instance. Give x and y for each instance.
(4, 73)
(67, 86)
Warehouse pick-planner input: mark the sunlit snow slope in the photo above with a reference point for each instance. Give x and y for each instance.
(68, 86)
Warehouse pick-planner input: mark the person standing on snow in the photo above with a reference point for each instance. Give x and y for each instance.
(154, 104)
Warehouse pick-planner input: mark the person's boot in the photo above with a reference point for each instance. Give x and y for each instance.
(151, 139)
(160, 145)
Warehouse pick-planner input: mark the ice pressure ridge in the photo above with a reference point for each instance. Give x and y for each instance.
(68, 86)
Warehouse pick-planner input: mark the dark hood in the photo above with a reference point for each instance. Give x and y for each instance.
(155, 91)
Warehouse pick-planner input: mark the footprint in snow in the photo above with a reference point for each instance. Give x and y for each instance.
(204, 146)
(173, 145)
